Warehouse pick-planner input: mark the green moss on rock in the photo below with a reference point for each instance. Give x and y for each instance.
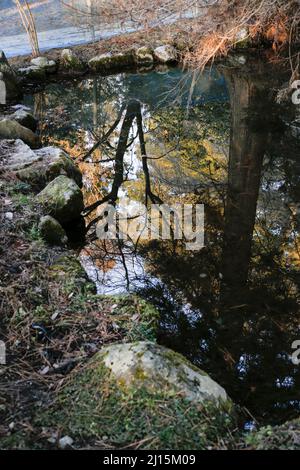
(51, 231)
(110, 60)
(95, 404)
(70, 62)
(143, 56)
(49, 163)
(62, 198)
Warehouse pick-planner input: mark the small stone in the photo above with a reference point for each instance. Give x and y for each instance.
(9, 215)
(44, 370)
(55, 315)
(51, 231)
(65, 442)
(165, 54)
(42, 62)
(242, 34)
(21, 107)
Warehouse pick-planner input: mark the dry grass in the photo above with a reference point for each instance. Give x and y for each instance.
(261, 21)
(51, 319)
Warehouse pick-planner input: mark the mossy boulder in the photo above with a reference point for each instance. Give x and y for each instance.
(70, 62)
(51, 162)
(109, 61)
(165, 54)
(51, 231)
(62, 198)
(156, 367)
(143, 56)
(11, 129)
(151, 410)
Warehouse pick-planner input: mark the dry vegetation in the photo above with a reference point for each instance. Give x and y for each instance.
(51, 319)
(211, 26)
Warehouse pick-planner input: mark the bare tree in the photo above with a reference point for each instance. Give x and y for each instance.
(29, 25)
(211, 27)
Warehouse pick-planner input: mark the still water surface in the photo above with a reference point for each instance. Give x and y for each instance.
(221, 140)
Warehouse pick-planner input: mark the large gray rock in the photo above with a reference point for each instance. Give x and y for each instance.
(11, 129)
(52, 162)
(108, 61)
(62, 199)
(15, 155)
(9, 87)
(156, 368)
(165, 54)
(37, 167)
(51, 231)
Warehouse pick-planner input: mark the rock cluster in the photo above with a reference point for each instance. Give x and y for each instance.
(48, 170)
(38, 70)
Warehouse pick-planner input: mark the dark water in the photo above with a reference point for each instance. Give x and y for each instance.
(220, 140)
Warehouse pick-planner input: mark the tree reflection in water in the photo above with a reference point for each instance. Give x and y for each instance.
(233, 307)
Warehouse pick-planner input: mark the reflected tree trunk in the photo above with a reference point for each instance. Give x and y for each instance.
(95, 104)
(252, 109)
(249, 137)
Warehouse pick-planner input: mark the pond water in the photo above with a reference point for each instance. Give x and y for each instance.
(220, 140)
